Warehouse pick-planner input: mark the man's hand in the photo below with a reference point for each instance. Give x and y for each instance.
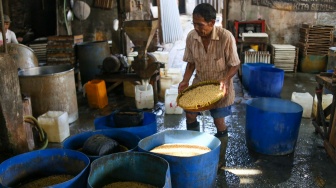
(223, 86)
(182, 86)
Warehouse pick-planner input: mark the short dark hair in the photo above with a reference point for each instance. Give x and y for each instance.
(205, 10)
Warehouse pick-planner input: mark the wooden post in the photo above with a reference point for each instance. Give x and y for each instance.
(13, 134)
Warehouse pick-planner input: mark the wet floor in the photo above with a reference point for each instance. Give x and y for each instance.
(308, 166)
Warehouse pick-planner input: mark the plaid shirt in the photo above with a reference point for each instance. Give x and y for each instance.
(213, 64)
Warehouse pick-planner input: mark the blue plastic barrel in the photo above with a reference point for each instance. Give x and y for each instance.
(130, 166)
(127, 139)
(43, 163)
(148, 127)
(195, 172)
(266, 82)
(272, 125)
(246, 71)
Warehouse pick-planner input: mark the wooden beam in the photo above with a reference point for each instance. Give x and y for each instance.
(13, 134)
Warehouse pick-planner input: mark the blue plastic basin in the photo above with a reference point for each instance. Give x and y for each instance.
(195, 172)
(272, 125)
(130, 166)
(42, 163)
(127, 139)
(148, 127)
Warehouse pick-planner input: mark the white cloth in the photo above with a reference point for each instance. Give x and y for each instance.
(10, 37)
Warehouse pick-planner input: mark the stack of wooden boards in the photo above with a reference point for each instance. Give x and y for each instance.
(285, 57)
(40, 48)
(60, 49)
(315, 39)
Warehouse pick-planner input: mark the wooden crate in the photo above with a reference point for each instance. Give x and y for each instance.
(60, 49)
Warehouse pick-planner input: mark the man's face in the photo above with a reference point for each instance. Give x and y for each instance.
(202, 27)
(6, 25)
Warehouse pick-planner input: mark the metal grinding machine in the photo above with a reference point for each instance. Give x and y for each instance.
(144, 68)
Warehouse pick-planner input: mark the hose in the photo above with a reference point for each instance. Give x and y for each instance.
(42, 135)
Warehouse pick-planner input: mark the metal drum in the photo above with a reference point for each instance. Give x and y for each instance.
(23, 56)
(51, 88)
(91, 56)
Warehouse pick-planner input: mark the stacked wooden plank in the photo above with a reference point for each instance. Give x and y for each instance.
(285, 56)
(60, 49)
(104, 4)
(315, 39)
(40, 49)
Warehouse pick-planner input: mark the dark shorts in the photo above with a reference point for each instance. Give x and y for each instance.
(217, 112)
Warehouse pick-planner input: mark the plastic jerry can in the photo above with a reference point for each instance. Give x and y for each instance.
(326, 101)
(305, 100)
(144, 97)
(96, 93)
(170, 102)
(55, 124)
(129, 90)
(166, 82)
(176, 74)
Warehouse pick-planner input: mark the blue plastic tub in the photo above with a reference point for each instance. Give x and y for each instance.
(195, 172)
(266, 82)
(130, 166)
(246, 71)
(127, 139)
(42, 163)
(148, 127)
(272, 125)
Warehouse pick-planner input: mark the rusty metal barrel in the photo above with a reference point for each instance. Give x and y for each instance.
(23, 56)
(51, 88)
(90, 57)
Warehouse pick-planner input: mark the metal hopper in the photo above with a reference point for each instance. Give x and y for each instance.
(141, 33)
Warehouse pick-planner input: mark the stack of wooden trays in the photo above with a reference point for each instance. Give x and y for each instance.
(40, 48)
(315, 39)
(60, 49)
(285, 57)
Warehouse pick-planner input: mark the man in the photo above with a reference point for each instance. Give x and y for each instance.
(10, 35)
(211, 51)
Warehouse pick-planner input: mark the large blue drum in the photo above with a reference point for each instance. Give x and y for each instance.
(246, 72)
(130, 167)
(38, 164)
(126, 139)
(266, 82)
(198, 171)
(148, 127)
(272, 125)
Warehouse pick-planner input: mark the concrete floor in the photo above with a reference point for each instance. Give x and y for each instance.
(308, 166)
